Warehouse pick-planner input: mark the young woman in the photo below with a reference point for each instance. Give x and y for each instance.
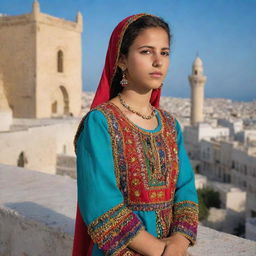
(136, 191)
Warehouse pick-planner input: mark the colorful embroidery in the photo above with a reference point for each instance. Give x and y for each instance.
(163, 222)
(146, 164)
(113, 230)
(146, 169)
(185, 219)
(129, 252)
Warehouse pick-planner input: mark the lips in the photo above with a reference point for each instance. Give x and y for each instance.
(156, 74)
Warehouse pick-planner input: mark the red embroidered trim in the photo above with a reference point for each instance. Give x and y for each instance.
(115, 229)
(145, 186)
(185, 219)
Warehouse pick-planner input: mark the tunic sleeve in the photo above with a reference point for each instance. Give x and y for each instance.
(185, 209)
(110, 223)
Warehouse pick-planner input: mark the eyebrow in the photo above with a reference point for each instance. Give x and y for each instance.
(152, 47)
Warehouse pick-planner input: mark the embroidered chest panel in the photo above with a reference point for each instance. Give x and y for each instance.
(146, 164)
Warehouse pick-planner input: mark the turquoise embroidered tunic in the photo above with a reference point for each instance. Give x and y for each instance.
(116, 205)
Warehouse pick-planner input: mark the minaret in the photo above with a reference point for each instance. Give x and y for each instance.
(36, 9)
(79, 20)
(197, 81)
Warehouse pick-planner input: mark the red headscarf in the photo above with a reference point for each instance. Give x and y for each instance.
(82, 241)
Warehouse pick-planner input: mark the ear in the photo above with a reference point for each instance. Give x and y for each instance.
(122, 62)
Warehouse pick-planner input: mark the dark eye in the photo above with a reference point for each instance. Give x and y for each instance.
(145, 52)
(165, 53)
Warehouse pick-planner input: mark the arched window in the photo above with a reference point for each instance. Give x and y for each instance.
(60, 61)
(22, 160)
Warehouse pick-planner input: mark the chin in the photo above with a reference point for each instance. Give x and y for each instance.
(151, 86)
(156, 86)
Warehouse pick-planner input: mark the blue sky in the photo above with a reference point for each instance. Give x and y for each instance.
(223, 32)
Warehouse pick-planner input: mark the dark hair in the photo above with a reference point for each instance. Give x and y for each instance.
(130, 34)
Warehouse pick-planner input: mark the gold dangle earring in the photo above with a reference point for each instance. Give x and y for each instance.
(124, 81)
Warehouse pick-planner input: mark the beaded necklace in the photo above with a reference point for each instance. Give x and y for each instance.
(153, 113)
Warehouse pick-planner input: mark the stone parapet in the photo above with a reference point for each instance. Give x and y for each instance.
(41, 18)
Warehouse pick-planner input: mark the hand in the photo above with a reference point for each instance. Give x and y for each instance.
(146, 244)
(158, 250)
(176, 245)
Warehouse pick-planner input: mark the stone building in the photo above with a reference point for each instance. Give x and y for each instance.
(40, 63)
(40, 90)
(223, 152)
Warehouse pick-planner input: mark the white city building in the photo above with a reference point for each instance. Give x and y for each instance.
(224, 150)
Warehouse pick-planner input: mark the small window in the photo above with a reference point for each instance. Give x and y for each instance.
(60, 61)
(253, 214)
(195, 72)
(22, 160)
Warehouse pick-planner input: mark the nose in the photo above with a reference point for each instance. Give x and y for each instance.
(157, 61)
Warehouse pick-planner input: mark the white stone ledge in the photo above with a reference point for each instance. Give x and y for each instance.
(213, 243)
(37, 213)
(22, 236)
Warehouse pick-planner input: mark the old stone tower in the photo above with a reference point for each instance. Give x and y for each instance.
(197, 81)
(41, 64)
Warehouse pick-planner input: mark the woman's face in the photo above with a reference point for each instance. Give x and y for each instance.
(147, 61)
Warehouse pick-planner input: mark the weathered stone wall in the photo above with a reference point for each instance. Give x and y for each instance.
(66, 165)
(40, 143)
(18, 63)
(65, 87)
(29, 49)
(21, 236)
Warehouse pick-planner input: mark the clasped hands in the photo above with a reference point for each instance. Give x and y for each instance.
(175, 245)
